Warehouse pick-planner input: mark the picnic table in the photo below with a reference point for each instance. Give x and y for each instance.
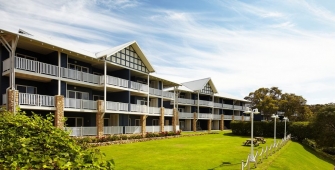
(260, 139)
(248, 142)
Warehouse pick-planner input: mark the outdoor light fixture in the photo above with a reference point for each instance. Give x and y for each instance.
(252, 112)
(285, 118)
(274, 117)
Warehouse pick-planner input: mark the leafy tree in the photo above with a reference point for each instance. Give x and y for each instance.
(34, 143)
(324, 126)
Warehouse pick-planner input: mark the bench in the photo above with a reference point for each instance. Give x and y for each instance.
(248, 142)
(260, 139)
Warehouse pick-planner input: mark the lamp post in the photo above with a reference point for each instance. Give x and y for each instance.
(285, 118)
(252, 112)
(274, 117)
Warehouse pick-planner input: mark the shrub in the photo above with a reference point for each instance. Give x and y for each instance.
(124, 137)
(34, 143)
(329, 150)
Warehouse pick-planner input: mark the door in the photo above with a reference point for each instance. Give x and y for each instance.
(181, 125)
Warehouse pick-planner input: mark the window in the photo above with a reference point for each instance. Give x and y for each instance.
(75, 122)
(77, 95)
(137, 122)
(26, 56)
(180, 109)
(207, 89)
(106, 121)
(26, 89)
(155, 122)
(129, 121)
(142, 102)
(78, 68)
(97, 97)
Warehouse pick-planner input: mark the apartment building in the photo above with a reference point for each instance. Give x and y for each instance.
(109, 92)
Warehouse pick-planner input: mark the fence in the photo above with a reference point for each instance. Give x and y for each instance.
(265, 153)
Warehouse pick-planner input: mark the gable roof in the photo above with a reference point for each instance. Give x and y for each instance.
(197, 85)
(136, 47)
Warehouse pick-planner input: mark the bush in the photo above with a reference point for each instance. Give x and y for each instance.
(34, 143)
(329, 150)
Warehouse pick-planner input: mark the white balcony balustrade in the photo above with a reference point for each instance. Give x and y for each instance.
(113, 130)
(185, 115)
(217, 117)
(168, 94)
(80, 104)
(219, 105)
(82, 131)
(4, 99)
(238, 107)
(155, 110)
(237, 117)
(6, 65)
(168, 128)
(115, 81)
(138, 86)
(205, 116)
(186, 101)
(35, 66)
(204, 103)
(154, 91)
(246, 118)
(152, 129)
(138, 108)
(79, 76)
(133, 129)
(228, 117)
(168, 112)
(117, 106)
(227, 106)
(36, 100)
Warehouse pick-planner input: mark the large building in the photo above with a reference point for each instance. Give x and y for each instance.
(109, 92)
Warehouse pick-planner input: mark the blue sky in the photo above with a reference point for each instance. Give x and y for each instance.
(241, 45)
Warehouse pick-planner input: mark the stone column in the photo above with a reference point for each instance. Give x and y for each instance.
(194, 126)
(242, 118)
(209, 125)
(174, 120)
(222, 122)
(99, 118)
(233, 117)
(13, 99)
(161, 120)
(143, 124)
(59, 112)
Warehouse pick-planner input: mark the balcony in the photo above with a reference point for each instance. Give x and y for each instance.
(138, 86)
(185, 101)
(119, 82)
(158, 92)
(205, 116)
(154, 110)
(168, 112)
(139, 108)
(237, 117)
(204, 103)
(36, 100)
(117, 106)
(185, 115)
(79, 76)
(80, 104)
(227, 106)
(217, 117)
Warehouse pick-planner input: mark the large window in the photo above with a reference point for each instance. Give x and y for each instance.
(25, 56)
(77, 95)
(207, 89)
(26, 89)
(128, 57)
(78, 67)
(75, 121)
(97, 97)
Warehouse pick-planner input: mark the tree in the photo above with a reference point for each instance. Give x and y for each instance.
(324, 126)
(294, 105)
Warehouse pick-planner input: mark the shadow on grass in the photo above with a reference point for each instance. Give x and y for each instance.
(317, 154)
(224, 164)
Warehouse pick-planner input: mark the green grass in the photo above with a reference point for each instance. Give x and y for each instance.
(212, 151)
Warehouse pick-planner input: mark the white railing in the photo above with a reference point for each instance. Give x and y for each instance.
(113, 130)
(138, 108)
(138, 86)
(246, 118)
(185, 101)
(79, 76)
(117, 106)
(117, 81)
(218, 105)
(168, 112)
(82, 131)
(227, 106)
(35, 66)
(152, 129)
(237, 117)
(217, 117)
(80, 104)
(154, 91)
(154, 110)
(36, 100)
(168, 128)
(184, 115)
(228, 117)
(238, 108)
(204, 116)
(4, 99)
(204, 103)
(133, 129)
(168, 94)
(6, 65)
(177, 127)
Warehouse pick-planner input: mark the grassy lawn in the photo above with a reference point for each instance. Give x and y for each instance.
(212, 151)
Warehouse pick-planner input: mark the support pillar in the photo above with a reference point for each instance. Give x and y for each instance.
(99, 118)
(209, 125)
(12, 100)
(59, 112)
(143, 124)
(174, 120)
(222, 122)
(194, 126)
(233, 117)
(242, 118)
(161, 120)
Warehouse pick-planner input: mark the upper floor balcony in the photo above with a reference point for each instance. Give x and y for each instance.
(161, 93)
(204, 103)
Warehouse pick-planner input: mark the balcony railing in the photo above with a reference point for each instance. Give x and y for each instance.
(246, 118)
(133, 129)
(6, 65)
(35, 66)
(185, 115)
(217, 117)
(138, 86)
(82, 131)
(205, 116)
(219, 105)
(113, 130)
(185, 101)
(36, 100)
(227, 106)
(154, 110)
(168, 94)
(237, 117)
(80, 104)
(204, 103)
(168, 128)
(154, 91)
(238, 108)
(228, 117)
(152, 128)
(4, 99)
(117, 81)
(168, 112)
(79, 76)
(117, 106)
(138, 108)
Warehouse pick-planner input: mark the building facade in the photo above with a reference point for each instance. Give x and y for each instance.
(109, 92)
